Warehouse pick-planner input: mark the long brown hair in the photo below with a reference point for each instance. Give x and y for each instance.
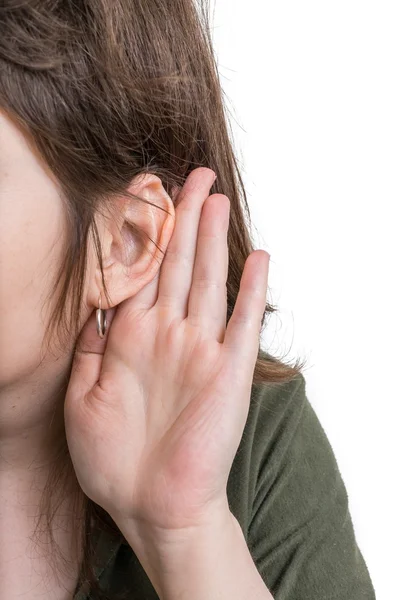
(106, 91)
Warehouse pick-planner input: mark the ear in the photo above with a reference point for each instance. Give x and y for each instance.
(131, 261)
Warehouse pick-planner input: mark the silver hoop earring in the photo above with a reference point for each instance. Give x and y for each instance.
(101, 319)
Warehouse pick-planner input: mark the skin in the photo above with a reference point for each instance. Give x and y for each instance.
(155, 411)
(177, 541)
(32, 227)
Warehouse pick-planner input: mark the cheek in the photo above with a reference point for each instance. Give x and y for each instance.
(30, 251)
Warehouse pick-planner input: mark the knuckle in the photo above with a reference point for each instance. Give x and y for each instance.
(205, 282)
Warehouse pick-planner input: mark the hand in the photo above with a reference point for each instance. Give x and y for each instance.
(155, 411)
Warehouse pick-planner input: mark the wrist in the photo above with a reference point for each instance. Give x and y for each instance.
(169, 557)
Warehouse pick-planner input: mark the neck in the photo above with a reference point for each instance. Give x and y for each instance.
(32, 420)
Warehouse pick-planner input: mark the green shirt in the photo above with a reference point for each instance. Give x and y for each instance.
(286, 491)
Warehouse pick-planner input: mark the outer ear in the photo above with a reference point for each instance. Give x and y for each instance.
(131, 261)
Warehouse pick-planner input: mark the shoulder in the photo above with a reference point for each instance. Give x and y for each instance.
(275, 412)
(296, 500)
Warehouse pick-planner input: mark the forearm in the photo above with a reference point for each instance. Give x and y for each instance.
(209, 563)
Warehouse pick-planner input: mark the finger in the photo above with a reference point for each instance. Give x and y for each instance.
(242, 335)
(207, 306)
(88, 357)
(177, 266)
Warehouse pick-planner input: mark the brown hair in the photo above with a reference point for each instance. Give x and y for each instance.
(106, 91)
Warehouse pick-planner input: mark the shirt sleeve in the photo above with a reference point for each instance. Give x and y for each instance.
(301, 534)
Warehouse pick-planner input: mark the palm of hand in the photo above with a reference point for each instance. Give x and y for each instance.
(154, 436)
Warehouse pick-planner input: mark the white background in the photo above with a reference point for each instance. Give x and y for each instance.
(313, 98)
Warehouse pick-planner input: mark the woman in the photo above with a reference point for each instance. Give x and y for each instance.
(148, 447)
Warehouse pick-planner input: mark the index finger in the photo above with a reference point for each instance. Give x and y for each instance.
(177, 267)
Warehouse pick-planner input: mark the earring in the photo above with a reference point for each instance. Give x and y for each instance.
(101, 319)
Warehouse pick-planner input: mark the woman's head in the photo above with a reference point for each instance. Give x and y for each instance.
(36, 234)
(105, 109)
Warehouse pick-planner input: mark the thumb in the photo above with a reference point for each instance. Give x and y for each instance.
(88, 356)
